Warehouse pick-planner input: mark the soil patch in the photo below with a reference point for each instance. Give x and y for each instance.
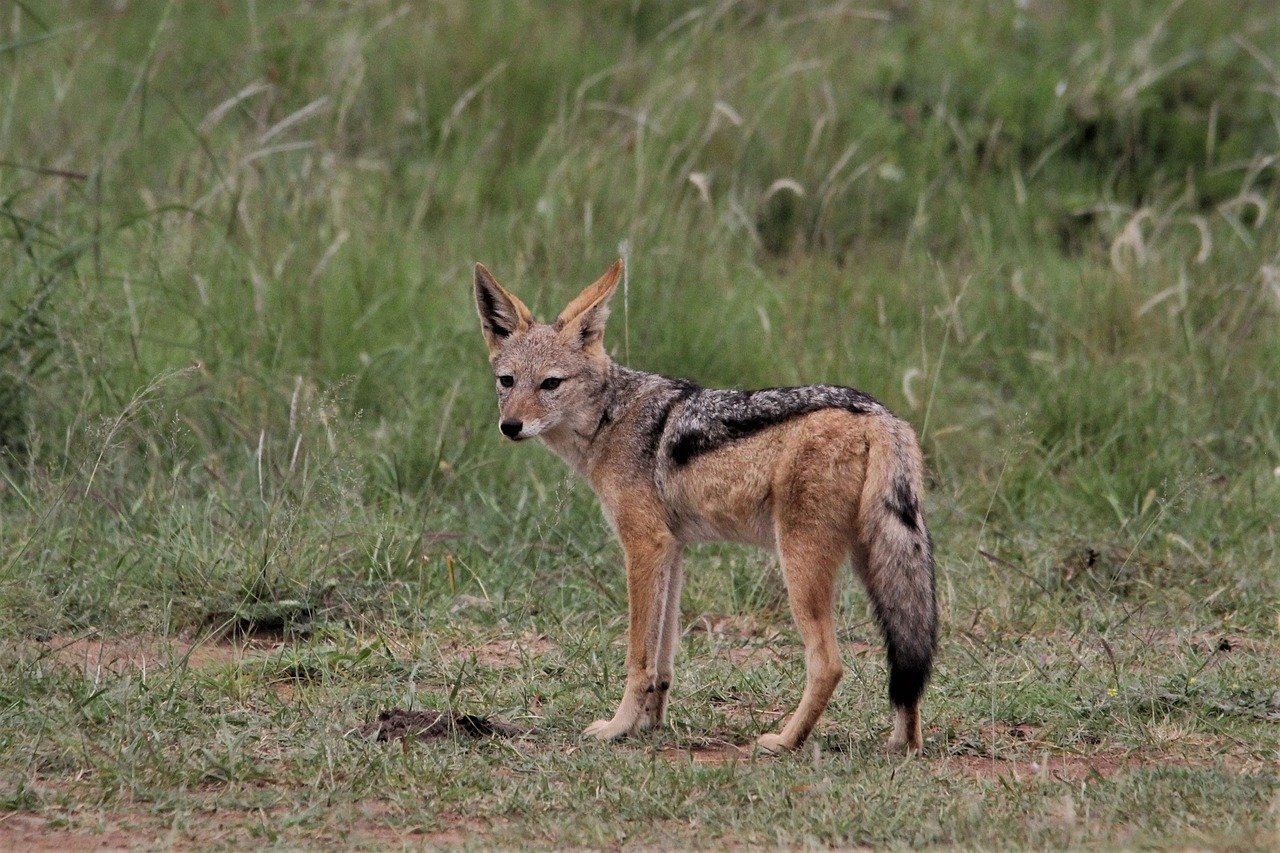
(33, 832)
(121, 655)
(399, 724)
(501, 652)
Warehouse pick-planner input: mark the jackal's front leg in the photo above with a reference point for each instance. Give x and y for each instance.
(655, 708)
(653, 566)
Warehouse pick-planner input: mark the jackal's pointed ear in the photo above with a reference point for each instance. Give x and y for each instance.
(501, 313)
(581, 323)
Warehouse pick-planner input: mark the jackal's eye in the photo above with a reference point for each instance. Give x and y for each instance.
(551, 383)
(506, 380)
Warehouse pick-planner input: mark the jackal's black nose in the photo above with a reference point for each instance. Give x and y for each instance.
(511, 429)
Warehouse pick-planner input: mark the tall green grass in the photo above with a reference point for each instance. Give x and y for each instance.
(238, 241)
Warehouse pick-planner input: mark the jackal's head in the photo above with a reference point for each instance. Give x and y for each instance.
(549, 375)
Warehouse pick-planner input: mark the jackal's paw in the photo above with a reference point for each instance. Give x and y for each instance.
(655, 710)
(608, 729)
(774, 744)
(900, 745)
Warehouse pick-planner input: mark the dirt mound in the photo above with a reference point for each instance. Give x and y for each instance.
(398, 724)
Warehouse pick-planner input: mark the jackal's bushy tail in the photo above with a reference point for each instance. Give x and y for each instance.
(899, 570)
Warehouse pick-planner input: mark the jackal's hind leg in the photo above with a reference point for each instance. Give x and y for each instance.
(668, 643)
(906, 735)
(810, 564)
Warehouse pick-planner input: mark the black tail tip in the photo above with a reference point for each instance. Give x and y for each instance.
(907, 681)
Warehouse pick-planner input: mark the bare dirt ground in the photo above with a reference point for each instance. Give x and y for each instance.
(26, 831)
(500, 652)
(118, 655)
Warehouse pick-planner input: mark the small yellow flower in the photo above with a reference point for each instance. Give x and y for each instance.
(1191, 680)
(1111, 691)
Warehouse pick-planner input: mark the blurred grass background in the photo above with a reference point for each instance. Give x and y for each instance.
(241, 377)
(237, 328)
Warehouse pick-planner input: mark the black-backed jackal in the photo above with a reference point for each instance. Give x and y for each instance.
(818, 474)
